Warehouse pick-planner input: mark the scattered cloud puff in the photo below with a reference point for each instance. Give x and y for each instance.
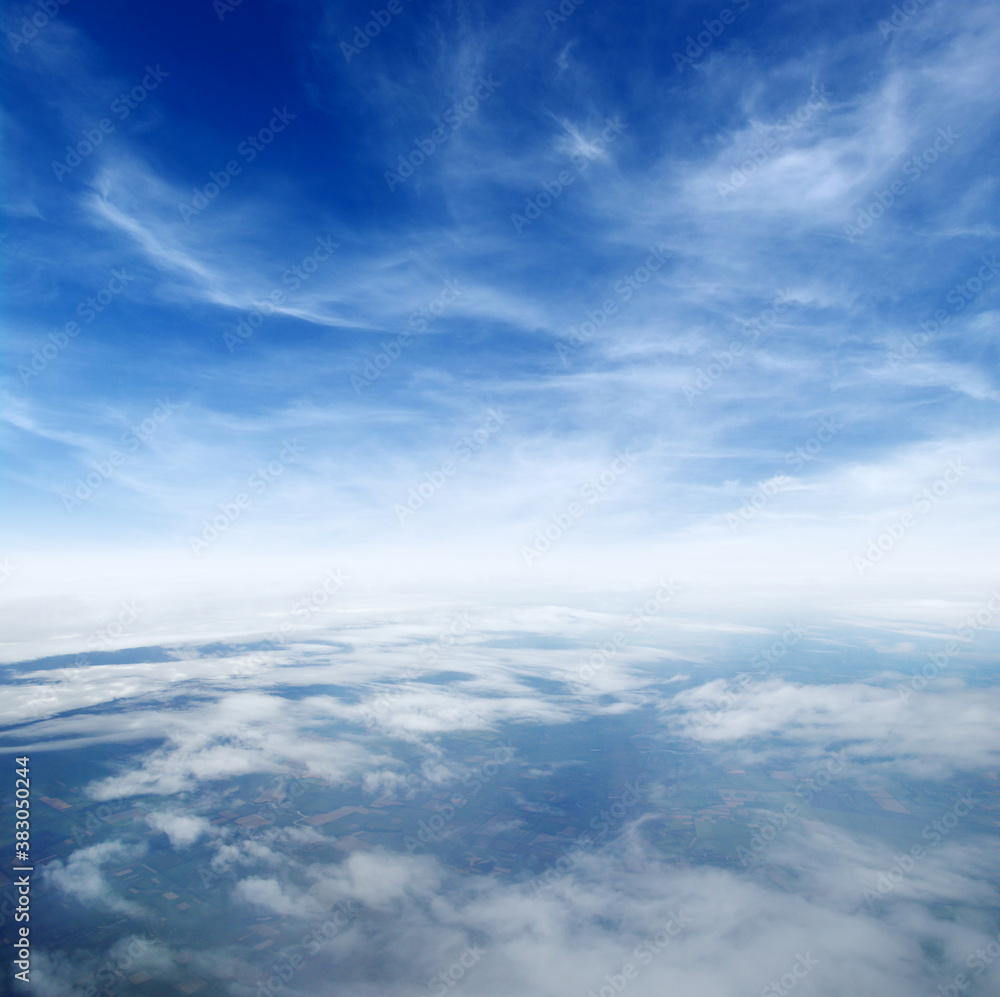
(708, 931)
(930, 733)
(181, 829)
(81, 876)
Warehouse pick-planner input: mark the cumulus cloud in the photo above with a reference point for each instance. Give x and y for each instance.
(237, 735)
(280, 899)
(181, 829)
(846, 909)
(931, 733)
(621, 912)
(82, 875)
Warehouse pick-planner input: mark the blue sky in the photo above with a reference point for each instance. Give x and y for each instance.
(697, 250)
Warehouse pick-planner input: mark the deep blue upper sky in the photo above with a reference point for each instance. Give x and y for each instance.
(743, 162)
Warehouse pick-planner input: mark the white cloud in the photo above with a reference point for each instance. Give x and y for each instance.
(931, 733)
(82, 876)
(182, 829)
